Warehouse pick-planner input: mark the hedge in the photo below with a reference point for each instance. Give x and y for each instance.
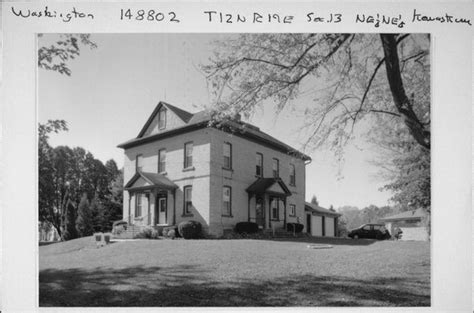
(246, 227)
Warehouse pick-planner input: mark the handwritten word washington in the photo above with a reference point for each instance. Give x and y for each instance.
(66, 16)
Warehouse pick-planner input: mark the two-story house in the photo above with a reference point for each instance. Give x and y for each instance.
(179, 168)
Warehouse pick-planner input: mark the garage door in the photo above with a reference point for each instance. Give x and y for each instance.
(316, 226)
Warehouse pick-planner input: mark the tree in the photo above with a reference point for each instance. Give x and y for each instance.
(346, 69)
(69, 223)
(331, 208)
(84, 218)
(51, 202)
(55, 56)
(314, 200)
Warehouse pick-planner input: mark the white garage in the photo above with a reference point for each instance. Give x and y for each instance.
(320, 221)
(410, 223)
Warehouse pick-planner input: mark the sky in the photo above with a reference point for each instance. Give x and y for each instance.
(114, 88)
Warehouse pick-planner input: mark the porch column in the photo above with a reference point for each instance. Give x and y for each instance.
(284, 212)
(174, 206)
(129, 208)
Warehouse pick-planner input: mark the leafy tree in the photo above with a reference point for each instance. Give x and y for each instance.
(314, 200)
(346, 69)
(51, 205)
(331, 208)
(84, 218)
(55, 56)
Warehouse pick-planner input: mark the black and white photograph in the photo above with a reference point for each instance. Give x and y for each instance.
(234, 169)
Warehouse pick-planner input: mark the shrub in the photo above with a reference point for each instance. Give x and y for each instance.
(172, 234)
(167, 231)
(246, 227)
(190, 229)
(148, 233)
(118, 227)
(294, 227)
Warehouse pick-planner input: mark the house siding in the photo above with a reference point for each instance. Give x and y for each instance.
(172, 121)
(242, 176)
(198, 177)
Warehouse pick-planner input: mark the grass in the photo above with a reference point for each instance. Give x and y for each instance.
(280, 272)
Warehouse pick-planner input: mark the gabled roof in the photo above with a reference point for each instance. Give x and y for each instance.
(202, 119)
(407, 215)
(313, 208)
(261, 185)
(185, 116)
(155, 180)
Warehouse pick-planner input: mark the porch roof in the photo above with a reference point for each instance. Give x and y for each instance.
(153, 180)
(261, 185)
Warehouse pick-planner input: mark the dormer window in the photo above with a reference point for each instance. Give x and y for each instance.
(162, 118)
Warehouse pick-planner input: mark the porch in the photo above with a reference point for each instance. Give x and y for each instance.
(151, 201)
(267, 203)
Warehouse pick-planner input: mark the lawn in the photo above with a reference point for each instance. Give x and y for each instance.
(281, 272)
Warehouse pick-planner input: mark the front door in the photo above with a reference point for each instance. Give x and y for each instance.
(259, 211)
(162, 208)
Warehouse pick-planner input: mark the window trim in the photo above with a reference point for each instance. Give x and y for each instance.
(294, 211)
(185, 211)
(136, 162)
(185, 163)
(292, 174)
(161, 170)
(261, 166)
(230, 200)
(162, 111)
(277, 168)
(230, 156)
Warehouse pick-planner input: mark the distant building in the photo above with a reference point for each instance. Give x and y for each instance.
(410, 223)
(180, 168)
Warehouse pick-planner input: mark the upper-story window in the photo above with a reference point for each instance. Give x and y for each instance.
(188, 199)
(227, 201)
(188, 154)
(227, 155)
(259, 165)
(162, 161)
(276, 168)
(139, 163)
(162, 118)
(292, 175)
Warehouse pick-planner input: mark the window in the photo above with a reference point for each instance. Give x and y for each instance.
(227, 155)
(276, 168)
(162, 119)
(292, 208)
(292, 175)
(227, 201)
(188, 154)
(138, 204)
(139, 163)
(162, 161)
(275, 208)
(188, 199)
(259, 167)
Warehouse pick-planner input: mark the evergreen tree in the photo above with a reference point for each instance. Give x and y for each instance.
(69, 231)
(314, 200)
(84, 218)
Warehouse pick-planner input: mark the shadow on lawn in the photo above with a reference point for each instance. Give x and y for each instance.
(189, 286)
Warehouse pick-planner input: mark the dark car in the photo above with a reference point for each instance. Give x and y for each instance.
(370, 231)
